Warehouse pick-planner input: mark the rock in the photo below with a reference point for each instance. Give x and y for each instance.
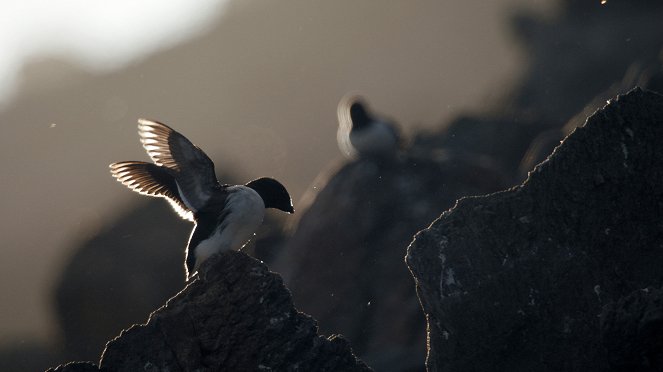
(516, 280)
(632, 331)
(344, 262)
(500, 142)
(124, 272)
(235, 315)
(76, 367)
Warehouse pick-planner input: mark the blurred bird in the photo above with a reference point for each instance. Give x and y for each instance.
(362, 134)
(225, 216)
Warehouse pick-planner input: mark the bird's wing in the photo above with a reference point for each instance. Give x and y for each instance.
(152, 180)
(194, 171)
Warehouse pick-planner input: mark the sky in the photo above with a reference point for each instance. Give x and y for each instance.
(97, 35)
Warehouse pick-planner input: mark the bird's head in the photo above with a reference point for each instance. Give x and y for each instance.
(359, 115)
(273, 194)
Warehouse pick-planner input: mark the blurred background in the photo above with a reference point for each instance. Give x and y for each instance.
(255, 84)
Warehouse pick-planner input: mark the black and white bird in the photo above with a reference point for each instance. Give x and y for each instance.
(360, 133)
(225, 216)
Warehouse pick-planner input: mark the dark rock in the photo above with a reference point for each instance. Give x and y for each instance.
(516, 280)
(632, 331)
(540, 148)
(500, 143)
(650, 77)
(124, 272)
(235, 315)
(344, 263)
(654, 77)
(76, 367)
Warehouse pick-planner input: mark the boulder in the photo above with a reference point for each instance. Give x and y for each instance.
(344, 261)
(235, 315)
(632, 331)
(517, 280)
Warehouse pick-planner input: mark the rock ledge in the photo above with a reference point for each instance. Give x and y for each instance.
(235, 315)
(516, 281)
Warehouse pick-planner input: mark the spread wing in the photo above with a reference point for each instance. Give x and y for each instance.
(193, 169)
(152, 180)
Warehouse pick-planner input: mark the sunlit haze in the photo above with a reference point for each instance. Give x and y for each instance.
(99, 35)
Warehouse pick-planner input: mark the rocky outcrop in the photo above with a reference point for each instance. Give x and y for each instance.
(76, 367)
(632, 331)
(235, 315)
(122, 273)
(516, 280)
(344, 262)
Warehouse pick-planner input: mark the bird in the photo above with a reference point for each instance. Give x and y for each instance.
(225, 216)
(361, 133)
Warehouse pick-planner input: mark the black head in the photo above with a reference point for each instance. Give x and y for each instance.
(273, 194)
(359, 115)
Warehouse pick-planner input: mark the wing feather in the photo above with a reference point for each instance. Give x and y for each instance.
(152, 180)
(193, 169)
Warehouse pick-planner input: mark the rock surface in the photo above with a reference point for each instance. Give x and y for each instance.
(119, 275)
(76, 367)
(354, 281)
(235, 315)
(516, 280)
(632, 331)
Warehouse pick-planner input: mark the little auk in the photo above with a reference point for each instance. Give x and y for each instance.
(225, 216)
(360, 133)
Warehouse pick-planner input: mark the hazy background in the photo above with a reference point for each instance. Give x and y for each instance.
(254, 83)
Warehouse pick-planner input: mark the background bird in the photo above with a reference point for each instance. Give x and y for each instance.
(225, 216)
(360, 133)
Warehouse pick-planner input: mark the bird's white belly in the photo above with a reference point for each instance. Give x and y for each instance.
(248, 211)
(376, 139)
